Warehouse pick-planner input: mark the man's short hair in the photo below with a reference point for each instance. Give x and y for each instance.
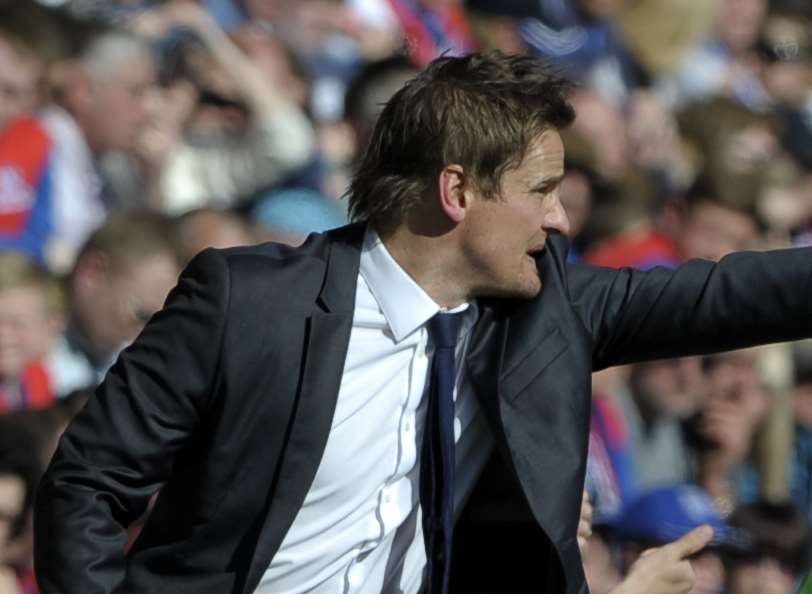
(19, 271)
(480, 111)
(128, 238)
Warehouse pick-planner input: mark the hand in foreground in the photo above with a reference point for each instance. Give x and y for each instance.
(666, 569)
(584, 523)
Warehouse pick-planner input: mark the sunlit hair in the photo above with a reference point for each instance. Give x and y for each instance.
(17, 271)
(107, 52)
(480, 111)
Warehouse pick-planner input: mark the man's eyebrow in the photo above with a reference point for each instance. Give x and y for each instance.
(548, 182)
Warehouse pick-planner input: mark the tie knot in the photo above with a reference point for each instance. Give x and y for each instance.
(444, 329)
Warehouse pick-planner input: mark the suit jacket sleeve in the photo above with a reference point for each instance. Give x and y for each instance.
(119, 450)
(745, 299)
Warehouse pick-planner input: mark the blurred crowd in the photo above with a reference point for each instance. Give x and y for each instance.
(134, 133)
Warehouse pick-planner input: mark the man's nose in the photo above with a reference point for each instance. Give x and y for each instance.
(556, 218)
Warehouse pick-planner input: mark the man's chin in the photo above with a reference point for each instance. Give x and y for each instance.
(527, 290)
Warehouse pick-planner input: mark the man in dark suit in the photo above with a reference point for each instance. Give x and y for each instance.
(279, 399)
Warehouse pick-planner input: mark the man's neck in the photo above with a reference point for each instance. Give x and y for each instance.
(429, 260)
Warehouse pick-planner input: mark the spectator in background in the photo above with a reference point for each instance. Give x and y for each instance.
(787, 45)
(726, 63)
(710, 227)
(773, 550)
(207, 227)
(25, 188)
(735, 404)
(666, 514)
(660, 395)
(103, 104)
(121, 277)
(240, 130)
(581, 38)
(31, 319)
(611, 479)
(646, 548)
(369, 92)
(702, 224)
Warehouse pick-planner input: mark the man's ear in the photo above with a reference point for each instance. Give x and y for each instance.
(454, 192)
(91, 269)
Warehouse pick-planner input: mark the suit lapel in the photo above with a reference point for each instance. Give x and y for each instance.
(327, 338)
(529, 366)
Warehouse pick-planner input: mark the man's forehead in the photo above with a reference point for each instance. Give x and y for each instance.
(544, 157)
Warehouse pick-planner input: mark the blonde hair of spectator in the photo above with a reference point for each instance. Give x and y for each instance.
(18, 271)
(660, 32)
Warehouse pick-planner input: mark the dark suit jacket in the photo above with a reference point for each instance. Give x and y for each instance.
(225, 401)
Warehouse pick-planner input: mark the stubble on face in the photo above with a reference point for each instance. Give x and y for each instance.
(506, 233)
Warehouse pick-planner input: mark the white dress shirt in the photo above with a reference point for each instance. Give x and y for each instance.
(359, 529)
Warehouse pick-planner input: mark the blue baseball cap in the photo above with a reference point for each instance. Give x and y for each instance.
(666, 514)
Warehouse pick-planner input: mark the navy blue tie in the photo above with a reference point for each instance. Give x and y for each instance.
(437, 457)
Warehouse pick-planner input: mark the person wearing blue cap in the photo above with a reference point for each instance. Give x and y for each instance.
(675, 567)
(666, 514)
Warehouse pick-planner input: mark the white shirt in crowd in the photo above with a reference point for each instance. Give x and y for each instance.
(359, 529)
(77, 205)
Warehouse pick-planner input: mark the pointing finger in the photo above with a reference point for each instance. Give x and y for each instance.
(691, 543)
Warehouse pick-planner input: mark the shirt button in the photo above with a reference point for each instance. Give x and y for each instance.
(407, 426)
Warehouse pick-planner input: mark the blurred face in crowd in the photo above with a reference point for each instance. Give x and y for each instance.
(576, 198)
(19, 78)
(711, 231)
(113, 111)
(12, 496)
(789, 77)
(763, 575)
(27, 330)
(739, 22)
(671, 387)
(606, 129)
(114, 304)
(502, 234)
(735, 379)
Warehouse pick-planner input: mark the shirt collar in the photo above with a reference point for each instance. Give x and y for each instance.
(405, 305)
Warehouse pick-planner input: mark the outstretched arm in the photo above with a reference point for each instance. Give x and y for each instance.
(745, 299)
